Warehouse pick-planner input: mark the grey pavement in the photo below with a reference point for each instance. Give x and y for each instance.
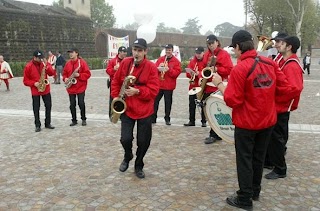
(76, 168)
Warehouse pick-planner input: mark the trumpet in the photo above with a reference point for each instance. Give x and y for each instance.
(43, 82)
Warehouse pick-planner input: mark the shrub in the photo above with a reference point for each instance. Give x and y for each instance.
(17, 68)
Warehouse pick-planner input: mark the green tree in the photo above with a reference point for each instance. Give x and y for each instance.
(192, 27)
(57, 3)
(226, 29)
(132, 26)
(102, 14)
(162, 28)
(208, 33)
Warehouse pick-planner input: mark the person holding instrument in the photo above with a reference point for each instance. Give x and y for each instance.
(139, 99)
(223, 66)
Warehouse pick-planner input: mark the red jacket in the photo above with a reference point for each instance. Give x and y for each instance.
(147, 81)
(170, 77)
(110, 67)
(82, 80)
(252, 98)
(224, 65)
(194, 62)
(293, 71)
(31, 74)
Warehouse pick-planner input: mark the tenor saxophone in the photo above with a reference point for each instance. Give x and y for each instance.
(43, 82)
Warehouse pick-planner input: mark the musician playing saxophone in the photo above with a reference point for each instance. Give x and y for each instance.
(139, 98)
(196, 64)
(223, 65)
(168, 81)
(77, 69)
(32, 77)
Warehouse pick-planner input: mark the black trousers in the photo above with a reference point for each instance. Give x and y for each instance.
(144, 134)
(110, 101)
(306, 66)
(277, 145)
(167, 103)
(251, 147)
(192, 109)
(82, 106)
(36, 109)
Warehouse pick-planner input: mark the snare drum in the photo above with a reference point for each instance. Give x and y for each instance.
(219, 116)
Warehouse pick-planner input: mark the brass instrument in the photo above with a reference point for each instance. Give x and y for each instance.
(43, 82)
(118, 104)
(193, 74)
(264, 43)
(72, 79)
(165, 64)
(206, 74)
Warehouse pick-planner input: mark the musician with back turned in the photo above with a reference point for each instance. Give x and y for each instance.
(35, 75)
(139, 99)
(251, 91)
(169, 69)
(76, 74)
(196, 64)
(223, 66)
(112, 67)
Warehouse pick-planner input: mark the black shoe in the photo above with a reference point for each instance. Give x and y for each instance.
(274, 175)
(210, 140)
(49, 127)
(84, 122)
(73, 124)
(204, 124)
(38, 129)
(139, 173)
(168, 122)
(189, 124)
(235, 202)
(124, 166)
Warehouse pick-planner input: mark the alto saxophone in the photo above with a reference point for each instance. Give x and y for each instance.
(165, 64)
(72, 79)
(43, 82)
(118, 104)
(206, 74)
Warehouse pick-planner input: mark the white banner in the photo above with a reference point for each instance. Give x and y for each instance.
(114, 43)
(176, 52)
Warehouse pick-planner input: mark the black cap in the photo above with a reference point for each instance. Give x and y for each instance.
(279, 36)
(123, 49)
(38, 54)
(73, 49)
(199, 49)
(140, 43)
(293, 41)
(211, 38)
(239, 37)
(169, 46)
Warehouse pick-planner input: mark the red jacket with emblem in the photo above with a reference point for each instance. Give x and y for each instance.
(31, 75)
(147, 81)
(252, 96)
(170, 77)
(82, 80)
(194, 64)
(224, 65)
(110, 68)
(293, 71)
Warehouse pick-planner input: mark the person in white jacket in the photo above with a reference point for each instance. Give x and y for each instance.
(5, 72)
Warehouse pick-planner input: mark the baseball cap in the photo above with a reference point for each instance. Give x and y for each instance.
(140, 43)
(211, 38)
(38, 54)
(73, 49)
(239, 37)
(293, 41)
(169, 46)
(279, 36)
(199, 49)
(123, 49)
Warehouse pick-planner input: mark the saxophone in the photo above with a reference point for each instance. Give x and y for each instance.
(43, 82)
(118, 104)
(72, 79)
(165, 64)
(206, 74)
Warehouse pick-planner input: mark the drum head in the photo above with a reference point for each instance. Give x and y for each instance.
(219, 116)
(194, 90)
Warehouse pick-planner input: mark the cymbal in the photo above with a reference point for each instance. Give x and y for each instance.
(211, 84)
(194, 90)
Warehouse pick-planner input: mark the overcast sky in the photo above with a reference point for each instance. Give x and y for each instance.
(175, 13)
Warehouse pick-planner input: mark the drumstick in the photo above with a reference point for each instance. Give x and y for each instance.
(290, 105)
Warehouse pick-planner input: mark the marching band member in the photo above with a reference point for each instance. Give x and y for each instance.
(284, 104)
(52, 60)
(196, 64)
(35, 75)
(5, 72)
(139, 99)
(112, 67)
(223, 66)
(251, 92)
(169, 70)
(76, 74)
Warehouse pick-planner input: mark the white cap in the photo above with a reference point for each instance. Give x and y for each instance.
(274, 34)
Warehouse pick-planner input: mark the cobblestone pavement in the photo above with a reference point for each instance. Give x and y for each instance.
(76, 168)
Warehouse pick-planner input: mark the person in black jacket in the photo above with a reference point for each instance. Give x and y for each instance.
(59, 66)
